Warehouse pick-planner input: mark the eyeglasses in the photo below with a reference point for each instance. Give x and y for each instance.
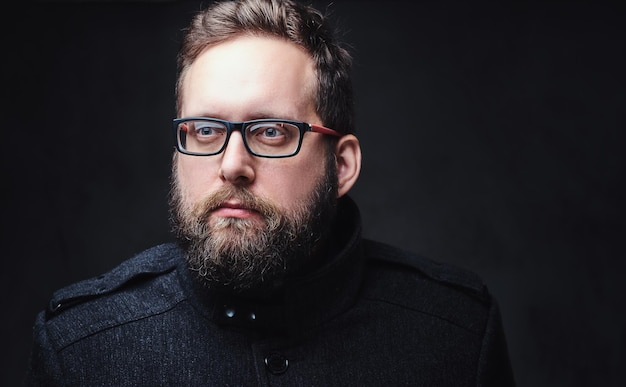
(202, 136)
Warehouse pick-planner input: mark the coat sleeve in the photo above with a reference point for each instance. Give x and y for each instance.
(43, 368)
(494, 365)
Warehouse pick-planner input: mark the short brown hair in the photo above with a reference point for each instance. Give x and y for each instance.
(300, 24)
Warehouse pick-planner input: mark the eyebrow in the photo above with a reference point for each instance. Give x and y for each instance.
(259, 115)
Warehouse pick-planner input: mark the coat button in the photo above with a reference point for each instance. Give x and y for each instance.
(276, 363)
(229, 312)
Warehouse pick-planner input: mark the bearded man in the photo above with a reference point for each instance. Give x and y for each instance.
(270, 281)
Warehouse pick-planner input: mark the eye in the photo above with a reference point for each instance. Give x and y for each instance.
(268, 131)
(272, 131)
(205, 129)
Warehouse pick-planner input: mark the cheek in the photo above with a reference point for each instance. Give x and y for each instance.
(294, 179)
(195, 177)
(289, 186)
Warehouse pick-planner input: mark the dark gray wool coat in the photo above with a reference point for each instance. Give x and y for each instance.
(372, 315)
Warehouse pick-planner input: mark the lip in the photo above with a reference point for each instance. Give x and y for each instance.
(234, 210)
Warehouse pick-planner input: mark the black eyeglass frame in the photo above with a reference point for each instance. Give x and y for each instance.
(240, 126)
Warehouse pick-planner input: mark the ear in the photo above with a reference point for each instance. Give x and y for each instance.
(348, 156)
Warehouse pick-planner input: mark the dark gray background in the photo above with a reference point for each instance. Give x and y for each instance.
(492, 135)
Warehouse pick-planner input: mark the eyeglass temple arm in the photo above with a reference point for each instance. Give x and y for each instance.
(324, 130)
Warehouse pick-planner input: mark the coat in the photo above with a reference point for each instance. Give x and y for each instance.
(372, 315)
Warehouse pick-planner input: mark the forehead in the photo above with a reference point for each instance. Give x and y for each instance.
(254, 75)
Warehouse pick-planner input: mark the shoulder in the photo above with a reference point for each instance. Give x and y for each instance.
(407, 280)
(143, 285)
(403, 261)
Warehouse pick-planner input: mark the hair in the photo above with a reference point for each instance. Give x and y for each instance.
(300, 24)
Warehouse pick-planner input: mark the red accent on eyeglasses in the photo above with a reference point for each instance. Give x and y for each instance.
(324, 130)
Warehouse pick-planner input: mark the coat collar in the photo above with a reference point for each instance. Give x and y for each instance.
(303, 303)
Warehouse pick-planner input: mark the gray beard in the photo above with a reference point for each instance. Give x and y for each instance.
(240, 255)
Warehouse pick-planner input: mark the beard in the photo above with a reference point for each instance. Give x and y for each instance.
(237, 255)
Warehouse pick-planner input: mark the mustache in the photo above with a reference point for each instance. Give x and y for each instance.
(243, 196)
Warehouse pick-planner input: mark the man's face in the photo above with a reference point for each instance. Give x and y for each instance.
(238, 207)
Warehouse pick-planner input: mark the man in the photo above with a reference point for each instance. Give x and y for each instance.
(270, 281)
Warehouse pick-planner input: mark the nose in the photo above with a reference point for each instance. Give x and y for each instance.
(236, 165)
